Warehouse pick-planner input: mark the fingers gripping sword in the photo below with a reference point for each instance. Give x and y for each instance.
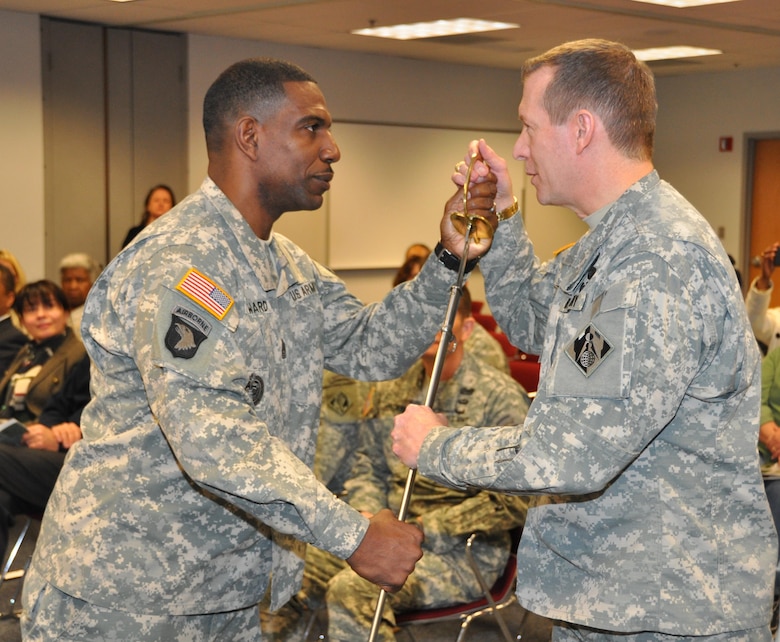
(456, 290)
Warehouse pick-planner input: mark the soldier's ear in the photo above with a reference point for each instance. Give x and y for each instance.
(467, 327)
(246, 135)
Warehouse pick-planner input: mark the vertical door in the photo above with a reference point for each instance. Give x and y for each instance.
(764, 210)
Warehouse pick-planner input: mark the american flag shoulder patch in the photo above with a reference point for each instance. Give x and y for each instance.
(203, 291)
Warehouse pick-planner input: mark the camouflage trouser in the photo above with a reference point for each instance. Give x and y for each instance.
(50, 614)
(438, 580)
(575, 633)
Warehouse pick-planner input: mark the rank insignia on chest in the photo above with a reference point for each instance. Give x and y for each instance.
(589, 349)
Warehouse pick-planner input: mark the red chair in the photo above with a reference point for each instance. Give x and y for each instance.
(486, 320)
(509, 350)
(526, 373)
(494, 598)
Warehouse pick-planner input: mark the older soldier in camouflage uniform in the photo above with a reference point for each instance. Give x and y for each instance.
(192, 485)
(652, 521)
(470, 393)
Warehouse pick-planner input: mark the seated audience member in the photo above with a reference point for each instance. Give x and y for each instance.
(11, 338)
(12, 263)
(29, 470)
(480, 341)
(484, 345)
(344, 402)
(40, 367)
(343, 408)
(417, 249)
(77, 274)
(409, 269)
(158, 201)
(470, 393)
(769, 446)
(764, 320)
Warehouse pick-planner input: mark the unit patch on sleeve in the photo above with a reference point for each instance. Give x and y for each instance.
(199, 288)
(186, 332)
(589, 349)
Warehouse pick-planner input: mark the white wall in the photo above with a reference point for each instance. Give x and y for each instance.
(365, 88)
(374, 89)
(21, 141)
(694, 112)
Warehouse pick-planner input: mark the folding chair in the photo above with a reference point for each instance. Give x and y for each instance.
(485, 320)
(8, 574)
(526, 373)
(493, 599)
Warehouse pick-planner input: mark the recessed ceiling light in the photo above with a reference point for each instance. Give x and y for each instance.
(437, 28)
(682, 4)
(669, 53)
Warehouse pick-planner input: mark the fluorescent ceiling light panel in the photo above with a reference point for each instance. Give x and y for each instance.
(669, 53)
(437, 28)
(682, 4)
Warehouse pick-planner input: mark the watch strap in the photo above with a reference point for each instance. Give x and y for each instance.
(452, 262)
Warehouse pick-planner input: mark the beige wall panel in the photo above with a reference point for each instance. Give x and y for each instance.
(74, 141)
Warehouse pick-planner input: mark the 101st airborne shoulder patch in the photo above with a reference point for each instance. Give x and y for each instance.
(187, 331)
(202, 290)
(589, 349)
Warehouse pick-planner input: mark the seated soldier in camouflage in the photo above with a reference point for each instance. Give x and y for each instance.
(470, 393)
(345, 402)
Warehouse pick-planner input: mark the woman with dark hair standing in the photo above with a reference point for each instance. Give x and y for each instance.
(158, 201)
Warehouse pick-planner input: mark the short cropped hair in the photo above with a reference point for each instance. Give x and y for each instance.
(606, 78)
(254, 86)
(43, 291)
(81, 260)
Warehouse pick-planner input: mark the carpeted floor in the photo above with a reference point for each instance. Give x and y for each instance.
(530, 627)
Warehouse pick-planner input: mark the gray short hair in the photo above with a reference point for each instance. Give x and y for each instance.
(81, 260)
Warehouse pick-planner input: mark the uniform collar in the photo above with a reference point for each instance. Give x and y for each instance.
(270, 260)
(581, 261)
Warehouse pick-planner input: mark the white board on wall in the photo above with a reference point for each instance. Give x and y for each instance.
(390, 187)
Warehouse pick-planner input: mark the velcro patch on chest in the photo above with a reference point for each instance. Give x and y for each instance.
(202, 290)
(589, 349)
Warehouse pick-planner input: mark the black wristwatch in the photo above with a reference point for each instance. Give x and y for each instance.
(452, 262)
